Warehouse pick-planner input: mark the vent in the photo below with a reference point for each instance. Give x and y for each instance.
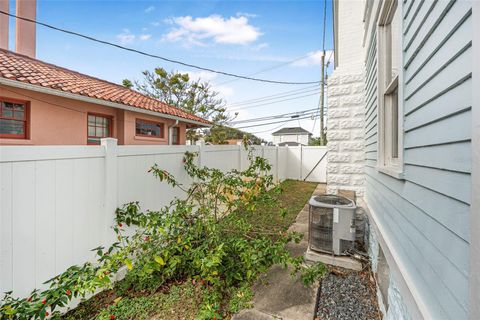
(332, 224)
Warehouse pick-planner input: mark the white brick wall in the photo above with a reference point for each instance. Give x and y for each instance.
(345, 134)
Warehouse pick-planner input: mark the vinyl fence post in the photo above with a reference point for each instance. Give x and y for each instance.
(301, 162)
(111, 185)
(201, 152)
(276, 164)
(239, 145)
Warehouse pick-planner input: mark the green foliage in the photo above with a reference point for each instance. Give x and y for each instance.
(241, 298)
(220, 134)
(179, 302)
(314, 273)
(194, 237)
(317, 141)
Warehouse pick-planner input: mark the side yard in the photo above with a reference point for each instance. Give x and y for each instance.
(182, 298)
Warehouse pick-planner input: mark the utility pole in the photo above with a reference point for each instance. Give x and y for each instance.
(323, 138)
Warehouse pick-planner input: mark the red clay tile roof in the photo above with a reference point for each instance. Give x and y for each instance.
(21, 68)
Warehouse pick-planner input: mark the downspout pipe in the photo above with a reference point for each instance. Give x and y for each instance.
(170, 132)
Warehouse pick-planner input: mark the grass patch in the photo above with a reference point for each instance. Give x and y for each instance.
(182, 300)
(294, 196)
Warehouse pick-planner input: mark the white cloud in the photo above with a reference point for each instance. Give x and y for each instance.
(225, 91)
(314, 58)
(145, 37)
(261, 46)
(246, 14)
(149, 9)
(200, 75)
(126, 37)
(197, 31)
(155, 23)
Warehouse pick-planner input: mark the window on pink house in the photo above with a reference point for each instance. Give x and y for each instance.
(13, 119)
(147, 128)
(175, 135)
(99, 126)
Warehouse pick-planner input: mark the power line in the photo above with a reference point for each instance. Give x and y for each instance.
(263, 131)
(273, 102)
(290, 114)
(265, 124)
(330, 57)
(314, 123)
(273, 97)
(269, 69)
(154, 55)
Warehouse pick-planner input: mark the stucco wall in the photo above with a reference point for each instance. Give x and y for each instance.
(57, 120)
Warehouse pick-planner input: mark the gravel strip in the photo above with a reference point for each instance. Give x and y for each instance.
(347, 295)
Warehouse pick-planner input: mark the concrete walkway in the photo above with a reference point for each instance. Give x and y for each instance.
(277, 294)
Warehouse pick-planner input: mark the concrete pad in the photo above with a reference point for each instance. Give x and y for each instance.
(320, 189)
(301, 312)
(337, 261)
(252, 314)
(299, 227)
(297, 249)
(303, 216)
(278, 293)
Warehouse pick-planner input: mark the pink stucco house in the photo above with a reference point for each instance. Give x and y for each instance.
(44, 104)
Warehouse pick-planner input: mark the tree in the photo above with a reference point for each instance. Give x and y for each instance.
(178, 90)
(316, 142)
(220, 134)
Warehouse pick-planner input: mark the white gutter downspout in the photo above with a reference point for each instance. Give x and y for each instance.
(170, 132)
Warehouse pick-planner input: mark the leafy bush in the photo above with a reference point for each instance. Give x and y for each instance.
(192, 237)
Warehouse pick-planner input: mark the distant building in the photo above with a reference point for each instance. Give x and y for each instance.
(291, 136)
(234, 141)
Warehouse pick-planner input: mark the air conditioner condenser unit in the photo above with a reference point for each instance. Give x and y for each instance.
(331, 224)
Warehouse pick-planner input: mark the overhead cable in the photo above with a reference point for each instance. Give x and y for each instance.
(229, 74)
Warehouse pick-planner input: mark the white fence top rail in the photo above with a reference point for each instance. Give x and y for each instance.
(38, 153)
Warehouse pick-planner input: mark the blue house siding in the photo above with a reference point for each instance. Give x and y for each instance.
(427, 213)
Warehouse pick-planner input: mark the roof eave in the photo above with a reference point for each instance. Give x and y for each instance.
(40, 89)
(291, 133)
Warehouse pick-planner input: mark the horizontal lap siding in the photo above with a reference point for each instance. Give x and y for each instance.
(427, 212)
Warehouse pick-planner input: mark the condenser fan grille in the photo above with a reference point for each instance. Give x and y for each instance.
(333, 200)
(321, 227)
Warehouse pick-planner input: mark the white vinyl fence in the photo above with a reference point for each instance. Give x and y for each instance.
(58, 202)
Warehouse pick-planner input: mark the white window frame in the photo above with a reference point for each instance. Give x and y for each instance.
(390, 92)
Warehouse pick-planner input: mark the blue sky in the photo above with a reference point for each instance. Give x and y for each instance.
(242, 37)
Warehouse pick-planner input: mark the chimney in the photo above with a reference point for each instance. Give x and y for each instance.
(25, 40)
(4, 4)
